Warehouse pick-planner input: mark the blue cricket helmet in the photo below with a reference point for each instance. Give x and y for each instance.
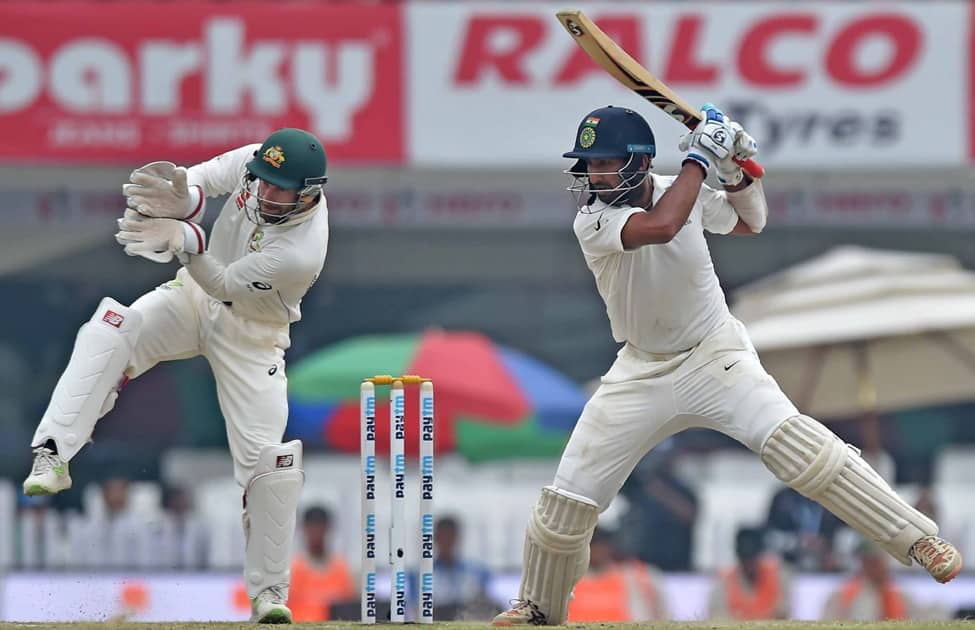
(612, 132)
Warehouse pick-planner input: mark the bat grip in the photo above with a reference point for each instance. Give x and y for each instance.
(751, 167)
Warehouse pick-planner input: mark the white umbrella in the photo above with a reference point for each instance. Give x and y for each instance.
(858, 331)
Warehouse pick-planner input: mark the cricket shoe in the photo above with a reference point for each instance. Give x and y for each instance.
(49, 475)
(270, 605)
(938, 556)
(521, 613)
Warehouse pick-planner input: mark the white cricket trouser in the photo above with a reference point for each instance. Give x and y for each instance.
(645, 398)
(247, 358)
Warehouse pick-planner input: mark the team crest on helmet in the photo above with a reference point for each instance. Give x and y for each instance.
(587, 137)
(274, 156)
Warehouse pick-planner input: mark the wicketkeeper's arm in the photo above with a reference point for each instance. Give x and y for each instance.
(253, 275)
(222, 174)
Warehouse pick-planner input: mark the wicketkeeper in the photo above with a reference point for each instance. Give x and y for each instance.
(231, 302)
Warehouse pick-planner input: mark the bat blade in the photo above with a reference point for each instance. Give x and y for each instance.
(630, 73)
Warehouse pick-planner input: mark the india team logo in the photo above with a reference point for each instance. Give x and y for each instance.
(274, 156)
(587, 137)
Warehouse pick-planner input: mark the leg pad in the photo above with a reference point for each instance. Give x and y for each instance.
(270, 513)
(810, 458)
(557, 550)
(89, 385)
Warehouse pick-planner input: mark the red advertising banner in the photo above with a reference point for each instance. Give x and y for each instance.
(139, 81)
(820, 85)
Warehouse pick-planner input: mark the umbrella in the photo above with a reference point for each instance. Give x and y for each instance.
(859, 331)
(491, 401)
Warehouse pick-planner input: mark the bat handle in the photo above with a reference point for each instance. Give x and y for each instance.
(752, 167)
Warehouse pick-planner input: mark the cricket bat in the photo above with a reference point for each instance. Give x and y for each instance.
(625, 69)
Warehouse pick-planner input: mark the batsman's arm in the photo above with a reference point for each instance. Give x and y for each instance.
(750, 204)
(742, 229)
(738, 210)
(669, 214)
(745, 181)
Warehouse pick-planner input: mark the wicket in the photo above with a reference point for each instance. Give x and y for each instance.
(397, 495)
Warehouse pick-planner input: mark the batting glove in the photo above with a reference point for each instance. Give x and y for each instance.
(711, 141)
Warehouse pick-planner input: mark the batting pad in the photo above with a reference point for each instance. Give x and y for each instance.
(557, 550)
(811, 459)
(270, 511)
(88, 387)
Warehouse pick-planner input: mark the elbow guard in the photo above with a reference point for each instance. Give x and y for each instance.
(750, 205)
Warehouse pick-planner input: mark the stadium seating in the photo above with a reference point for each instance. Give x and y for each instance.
(491, 502)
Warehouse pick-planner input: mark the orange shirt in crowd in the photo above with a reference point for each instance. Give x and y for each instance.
(892, 604)
(314, 587)
(616, 594)
(759, 602)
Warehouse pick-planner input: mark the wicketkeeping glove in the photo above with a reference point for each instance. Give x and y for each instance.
(154, 238)
(159, 190)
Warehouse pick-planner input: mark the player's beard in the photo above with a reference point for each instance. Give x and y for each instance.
(610, 195)
(256, 208)
(273, 213)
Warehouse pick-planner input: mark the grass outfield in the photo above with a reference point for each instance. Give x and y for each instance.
(671, 625)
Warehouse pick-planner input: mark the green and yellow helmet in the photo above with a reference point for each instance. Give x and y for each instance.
(292, 159)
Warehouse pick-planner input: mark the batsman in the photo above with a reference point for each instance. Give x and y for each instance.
(233, 302)
(685, 360)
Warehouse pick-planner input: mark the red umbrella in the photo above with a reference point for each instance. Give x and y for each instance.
(491, 401)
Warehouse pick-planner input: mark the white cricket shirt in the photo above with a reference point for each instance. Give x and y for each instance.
(265, 270)
(660, 298)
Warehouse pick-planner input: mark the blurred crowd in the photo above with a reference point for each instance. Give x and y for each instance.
(630, 554)
(110, 533)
